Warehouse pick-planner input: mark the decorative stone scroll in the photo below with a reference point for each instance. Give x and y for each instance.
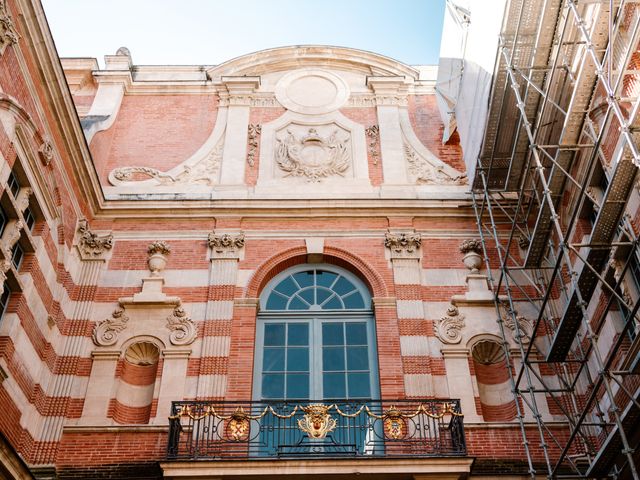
(449, 328)
(226, 245)
(106, 331)
(254, 132)
(92, 245)
(313, 156)
(525, 327)
(183, 330)
(426, 173)
(373, 139)
(8, 33)
(403, 245)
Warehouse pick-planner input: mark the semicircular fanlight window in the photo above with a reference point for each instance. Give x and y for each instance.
(316, 289)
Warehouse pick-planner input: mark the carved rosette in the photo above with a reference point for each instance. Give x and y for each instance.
(8, 33)
(312, 156)
(254, 132)
(226, 245)
(426, 173)
(449, 328)
(403, 245)
(183, 330)
(92, 245)
(106, 331)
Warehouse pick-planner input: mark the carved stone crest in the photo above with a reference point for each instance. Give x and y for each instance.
(226, 245)
(92, 245)
(183, 330)
(313, 156)
(403, 245)
(106, 331)
(426, 173)
(8, 33)
(449, 328)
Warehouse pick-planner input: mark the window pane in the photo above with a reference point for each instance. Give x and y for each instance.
(359, 385)
(273, 360)
(273, 385)
(287, 287)
(333, 304)
(325, 279)
(276, 302)
(322, 295)
(298, 304)
(298, 385)
(274, 334)
(304, 279)
(298, 359)
(343, 286)
(332, 334)
(356, 334)
(333, 385)
(298, 334)
(357, 358)
(333, 358)
(353, 300)
(307, 295)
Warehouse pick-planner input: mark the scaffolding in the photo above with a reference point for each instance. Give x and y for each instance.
(553, 192)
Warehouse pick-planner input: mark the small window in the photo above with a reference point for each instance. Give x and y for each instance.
(3, 220)
(14, 184)
(17, 254)
(29, 219)
(4, 299)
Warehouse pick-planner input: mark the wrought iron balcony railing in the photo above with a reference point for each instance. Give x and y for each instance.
(285, 429)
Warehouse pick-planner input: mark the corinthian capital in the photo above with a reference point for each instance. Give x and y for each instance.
(91, 245)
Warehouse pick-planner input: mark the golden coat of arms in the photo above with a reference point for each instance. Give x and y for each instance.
(317, 422)
(313, 156)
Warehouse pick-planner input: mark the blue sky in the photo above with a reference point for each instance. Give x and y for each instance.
(205, 32)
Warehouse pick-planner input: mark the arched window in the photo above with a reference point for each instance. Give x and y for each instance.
(315, 337)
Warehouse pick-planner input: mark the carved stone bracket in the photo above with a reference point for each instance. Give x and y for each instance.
(11, 236)
(183, 330)
(22, 202)
(106, 331)
(403, 245)
(226, 245)
(449, 328)
(426, 173)
(254, 132)
(92, 245)
(45, 152)
(373, 140)
(8, 33)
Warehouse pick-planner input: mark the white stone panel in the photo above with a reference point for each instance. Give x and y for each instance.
(498, 394)
(212, 385)
(406, 274)
(135, 395)
(244, 276)
(414, 345)
(438, 277)
(418, 385)
(217, 346)
(410, 309)
(224, 272)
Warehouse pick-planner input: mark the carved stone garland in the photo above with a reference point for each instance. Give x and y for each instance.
(426, 173)
(373, 136)
(254, 132)
(8, 33)
(449, 328)
(106, 331)
(183, 330)
(92, 244)
(298, 157)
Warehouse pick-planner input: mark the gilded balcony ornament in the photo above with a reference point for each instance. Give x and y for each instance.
(317, 422)
(238, 425)
(395, 426)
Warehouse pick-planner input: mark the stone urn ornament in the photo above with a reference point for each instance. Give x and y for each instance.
(472, 258)
(157, 261)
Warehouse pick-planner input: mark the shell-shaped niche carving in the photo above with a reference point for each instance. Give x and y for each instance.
(142, 353)
(487, 352)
